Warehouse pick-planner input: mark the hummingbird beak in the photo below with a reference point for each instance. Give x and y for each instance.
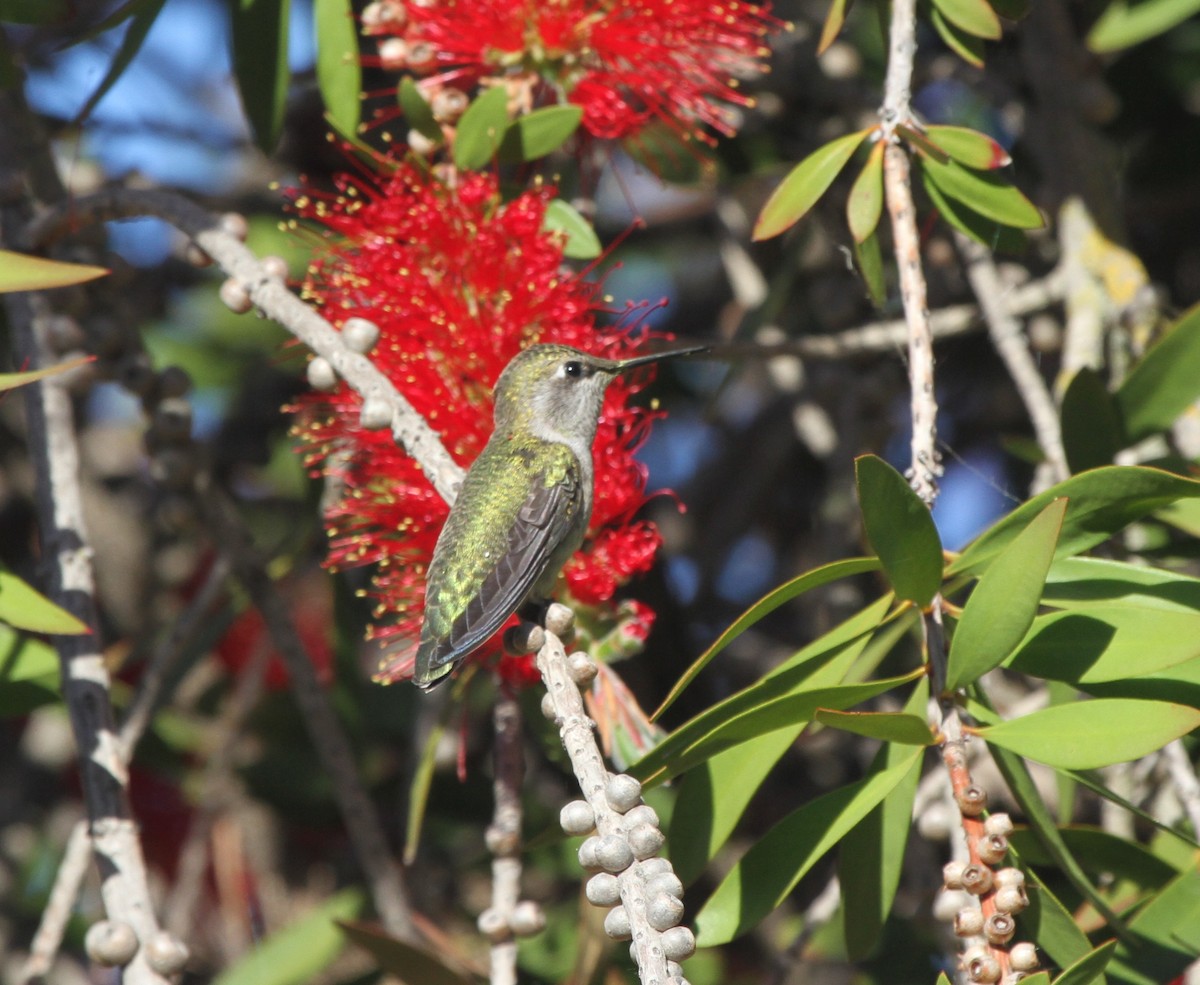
(627, 364)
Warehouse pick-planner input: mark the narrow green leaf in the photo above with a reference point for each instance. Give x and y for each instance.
(405, 961)
(789, 590)
(865, 204)
(29, 673)
(868, 258)
(658, 149)
(970, 148)
(983, 192)
(418, 114)
(1088, 968)
(1102, 854)
(888, 726)
(1164, 382)
(1048, 922)
(141, 18)
(781, 713)
(1099, 503)
(996, 236)
(1025, 792)
(1124, 24)
(1123, 639)
(1167, 931)
(21, 272)
(900, 530)
(976, 17)
(1003, 605)
(339, 71)
(481, 129)
(805, 184)
(915, 137)
(1084, 582)
(536, 134)
(764, 876)
(871, 857)
(260, 48)
(10, 381)
(25, 608)
(582, 243)
(1091, 427)
(1089, 734)
(834, 19)
(967, 46)
(714, 795)
(295, 954)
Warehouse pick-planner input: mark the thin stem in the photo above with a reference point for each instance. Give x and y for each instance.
(504, 835)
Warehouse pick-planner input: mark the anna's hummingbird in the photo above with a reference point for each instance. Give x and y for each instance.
(524, 506)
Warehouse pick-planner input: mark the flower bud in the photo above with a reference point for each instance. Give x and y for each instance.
(234, 296)
(321, 374)
(624, 792)
(577, 818)
(582, 668)
(645, 840)
(613, 853)
(998, 823)
(616, 924)
(663, 911)
(360, 335)
(678, 944)
(1023, 956)
(602, 889)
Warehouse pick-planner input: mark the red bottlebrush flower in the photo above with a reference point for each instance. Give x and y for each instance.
(458, 282)
(624, 62)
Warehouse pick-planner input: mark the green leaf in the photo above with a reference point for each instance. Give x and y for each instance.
(1025, 792)
(1003, 605)
(868, 257)
(1164, 382)
(1100, 853)
(995, 236)
(1167, 933)
(481, 129)
(294, 955)
(1047, 921)
(915, 137)
(405, 961)
(834, 19)
(1100, 503)
(1124, 24)
(1108, 643)
(872, 854)
(865, 204)
(888, 726)
(713, 796)
(418, 114)
(789, 590)
(1091, 428)
(970, 148)
(539, 133)
(260, 65)
(900, 530)
(764, 876)
(983, 192)
(1083, 582)
(967, 46)
(10, 381)
(23, 607)
(141, 15)
(805, 184)
(21, 272)
(1089, 734)
(339, 70)
(975, 17)
(29, 673)
(682, 750)
(1089, 967)
(582, 243)
(1012, 10)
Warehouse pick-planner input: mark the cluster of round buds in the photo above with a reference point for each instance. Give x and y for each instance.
(114, 943)
(524, 920)
(360, 336)
(622, 834)
(986, 900)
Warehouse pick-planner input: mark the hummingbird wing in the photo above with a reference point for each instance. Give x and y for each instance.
(498, 562)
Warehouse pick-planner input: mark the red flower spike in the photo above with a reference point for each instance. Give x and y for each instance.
(458, 282)
(624, 62)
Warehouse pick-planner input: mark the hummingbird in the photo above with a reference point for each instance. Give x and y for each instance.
(524, 505)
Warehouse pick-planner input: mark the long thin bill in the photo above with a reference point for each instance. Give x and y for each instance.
(654, 357)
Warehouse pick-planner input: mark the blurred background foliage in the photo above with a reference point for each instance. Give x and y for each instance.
(754, 461)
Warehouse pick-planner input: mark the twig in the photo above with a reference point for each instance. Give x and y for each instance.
(383, 876)
(57, 912)
(504, 835)
(1009, 341)
(272, 297)
(624, 846)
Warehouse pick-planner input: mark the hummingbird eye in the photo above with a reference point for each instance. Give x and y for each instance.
(573, 369)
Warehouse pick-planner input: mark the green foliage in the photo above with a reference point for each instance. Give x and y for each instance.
(260, 50)
(537, 134)
(20, 272)
(481, 129)
(1124, 24)
(25, 608)
(29, 673)
(582, 243)
(339, 71)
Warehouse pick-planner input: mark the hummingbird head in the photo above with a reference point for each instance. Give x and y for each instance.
(556, 392)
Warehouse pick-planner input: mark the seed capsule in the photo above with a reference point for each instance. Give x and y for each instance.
(616, 924)
(577, 818)
(602, 889)
(624, 792)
